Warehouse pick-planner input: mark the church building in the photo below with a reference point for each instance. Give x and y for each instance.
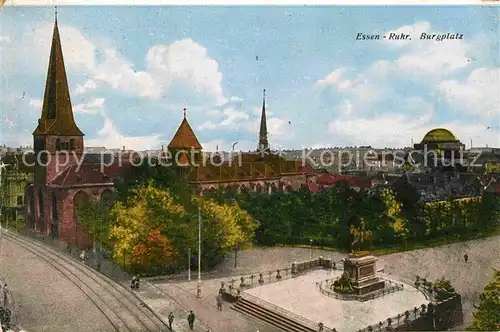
(65, 176)
(259, 171)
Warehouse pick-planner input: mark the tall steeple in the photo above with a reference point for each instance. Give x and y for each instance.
(57, 114)
(263, 142)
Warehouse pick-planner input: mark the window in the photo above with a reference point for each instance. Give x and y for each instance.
(72, 144)
(20, 200)
(58, 144)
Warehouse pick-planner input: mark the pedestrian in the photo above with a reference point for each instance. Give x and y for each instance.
(191, 319)
(320, 327)
(82, 255)
(466, 257)
(5, 295)
(170, 320)
(219, 302)
(133, 282)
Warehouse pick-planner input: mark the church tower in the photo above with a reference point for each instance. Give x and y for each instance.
(184, 147)
(56, 130)
(263, 146)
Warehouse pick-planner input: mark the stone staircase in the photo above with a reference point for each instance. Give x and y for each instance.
(270, 316)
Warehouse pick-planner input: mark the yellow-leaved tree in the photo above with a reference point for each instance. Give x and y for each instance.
(232, 225)
(148, 208)
(393, 215)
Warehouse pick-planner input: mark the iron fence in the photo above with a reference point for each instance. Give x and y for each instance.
(326, 285)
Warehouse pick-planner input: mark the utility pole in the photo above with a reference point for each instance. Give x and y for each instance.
(198, 288)
(189, 264)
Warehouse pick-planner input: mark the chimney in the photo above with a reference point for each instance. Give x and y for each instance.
(124, 148)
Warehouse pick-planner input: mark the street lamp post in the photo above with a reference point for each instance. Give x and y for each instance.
(198, 287)
(311, 242)
(189, 264)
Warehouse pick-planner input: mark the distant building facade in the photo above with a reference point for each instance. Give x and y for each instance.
(15, 175)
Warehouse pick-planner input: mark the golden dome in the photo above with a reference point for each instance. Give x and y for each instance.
(439, 135)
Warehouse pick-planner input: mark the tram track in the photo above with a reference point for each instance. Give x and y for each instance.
(123, 309)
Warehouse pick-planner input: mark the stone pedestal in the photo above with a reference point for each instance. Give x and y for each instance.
(362, 274)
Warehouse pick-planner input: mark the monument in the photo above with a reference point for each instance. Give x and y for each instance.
(359, 277)
(362, 273)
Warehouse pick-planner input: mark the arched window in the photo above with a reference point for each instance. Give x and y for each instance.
(40, 203)
(258, 188)
(55, 206)
(72, 144)
(58, 144)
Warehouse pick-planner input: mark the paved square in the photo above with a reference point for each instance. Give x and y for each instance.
(302, 297)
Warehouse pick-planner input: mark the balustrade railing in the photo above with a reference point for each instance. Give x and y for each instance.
(400, 320)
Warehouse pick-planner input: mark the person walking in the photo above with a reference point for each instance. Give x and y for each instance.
(82, 255)
(466, 257)
(190, 319)
(320, 327)
(170, 320)
(219, 302)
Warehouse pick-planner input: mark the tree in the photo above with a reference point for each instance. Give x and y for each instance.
(154, 253)
(147, 208)
(233, 226)
(94, 215)
(487, 315)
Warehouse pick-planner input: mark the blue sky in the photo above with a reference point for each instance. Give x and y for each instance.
(132, 70)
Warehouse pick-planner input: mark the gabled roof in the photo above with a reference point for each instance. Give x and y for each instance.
(184, 138)
(57, 113)
(90, 174)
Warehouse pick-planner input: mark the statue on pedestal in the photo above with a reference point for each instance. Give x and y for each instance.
(360, 235)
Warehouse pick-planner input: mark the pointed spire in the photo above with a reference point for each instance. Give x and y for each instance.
(57, 113)
(263, 141)
(184, 138)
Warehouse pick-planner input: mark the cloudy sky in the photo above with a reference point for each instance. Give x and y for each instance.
(132, 70)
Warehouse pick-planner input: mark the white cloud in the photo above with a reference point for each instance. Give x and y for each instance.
(207, 125)
(80, 89)
(119, 74)
(479, 94)
(188, 62)
(93, 107)
(36, 103)
(79, 52)
(334, 78)
(430, 57)
(233, 117)
(109, 137)
(386, 129)
(182, 62)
